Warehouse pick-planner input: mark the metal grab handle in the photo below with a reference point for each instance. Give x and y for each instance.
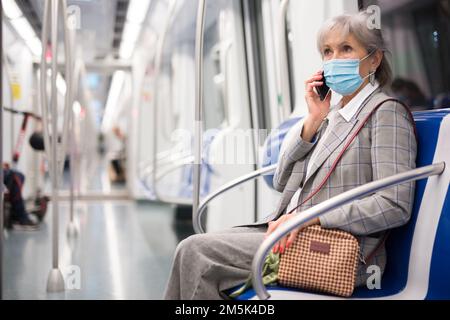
(326, 206)
(198, 123)
(146, 168)
(234, 183)
(43, 77)
(77, 76)
(73, 72)
(69, 75)
(284, 64)
(54, 128)
(68, 110)
(179, 164)
(170, 167)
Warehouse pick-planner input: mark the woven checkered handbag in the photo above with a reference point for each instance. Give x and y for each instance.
(325, 260)
(321, 260)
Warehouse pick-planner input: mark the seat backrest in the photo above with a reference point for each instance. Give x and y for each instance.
(398, 245)
(273, 144)
(400, 240)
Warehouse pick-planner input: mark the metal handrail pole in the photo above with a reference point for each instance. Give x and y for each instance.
(230, 185)
(198, 123)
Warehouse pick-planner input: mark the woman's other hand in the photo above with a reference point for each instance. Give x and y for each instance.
(288, 239)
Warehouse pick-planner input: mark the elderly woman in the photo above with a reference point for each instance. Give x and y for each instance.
(356, 68)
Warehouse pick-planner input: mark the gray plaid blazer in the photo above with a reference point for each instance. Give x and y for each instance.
(386, 146)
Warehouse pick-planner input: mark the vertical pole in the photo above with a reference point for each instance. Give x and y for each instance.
(12, 129)
(1, 170)
(55, 282)
(72, 229)
(284, 64)
(72, 163)
(2, 232)
(34, 178)
(11, 99)
(54, 128)
(253, 91)
(68, 126)
(69, 96)
(198, 123)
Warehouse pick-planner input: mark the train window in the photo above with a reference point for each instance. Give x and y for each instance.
(224, 60)
(262, 38)
(418, 33)
(174, 88)
(258, 35)
(216, 62)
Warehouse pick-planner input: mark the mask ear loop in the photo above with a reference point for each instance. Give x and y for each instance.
(368, 56)
(371, 75)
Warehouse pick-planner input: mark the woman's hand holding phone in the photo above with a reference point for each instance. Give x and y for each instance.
(318, 109)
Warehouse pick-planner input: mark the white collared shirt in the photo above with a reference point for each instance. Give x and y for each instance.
(348, 112)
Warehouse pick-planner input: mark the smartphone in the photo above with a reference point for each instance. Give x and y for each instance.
(323, 90)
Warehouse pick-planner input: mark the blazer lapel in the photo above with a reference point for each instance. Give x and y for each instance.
(334, 139)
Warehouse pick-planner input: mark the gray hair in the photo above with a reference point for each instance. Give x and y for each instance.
(371, 38)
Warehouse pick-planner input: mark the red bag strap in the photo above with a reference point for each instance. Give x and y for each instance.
(349, 142)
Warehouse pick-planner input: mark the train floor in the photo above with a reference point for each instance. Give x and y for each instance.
(124, 250)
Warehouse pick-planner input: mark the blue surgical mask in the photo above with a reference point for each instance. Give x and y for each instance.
(342, 75)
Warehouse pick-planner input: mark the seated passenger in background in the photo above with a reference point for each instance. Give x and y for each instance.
(409, 92)
(20, 219)
(355, 67)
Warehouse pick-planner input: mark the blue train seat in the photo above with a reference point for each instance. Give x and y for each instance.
(417, 262)
(272, 146)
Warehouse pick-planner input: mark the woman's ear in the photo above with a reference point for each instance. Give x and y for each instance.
(376, 59)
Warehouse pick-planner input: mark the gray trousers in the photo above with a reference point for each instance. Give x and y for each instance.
(206, 264)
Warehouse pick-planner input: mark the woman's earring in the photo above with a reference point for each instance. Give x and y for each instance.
(372, 77)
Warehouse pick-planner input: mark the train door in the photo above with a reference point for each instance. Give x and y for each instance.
(262, 36)
(164, 115)
(228, 114)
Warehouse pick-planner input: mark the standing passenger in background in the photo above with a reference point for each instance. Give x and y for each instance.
(354, 66)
